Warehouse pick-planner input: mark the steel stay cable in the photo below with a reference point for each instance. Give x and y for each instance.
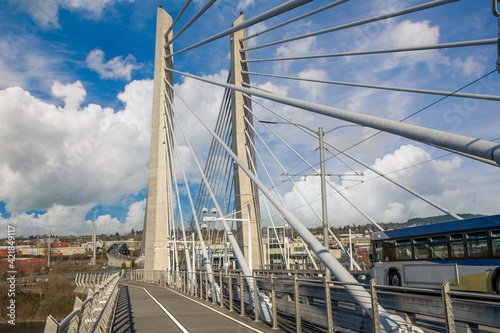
(203, 247)
(177, 17)
(474, 146)
(329, 182)
(191, 21)
(489, 41)
(324, 255)
(422, 109)
(291, 4)
(372, 86)
(279, 195)
(295, 19)
(230, 236)
(170, 139)
(265, 200)
(432, 203)
(427, 5)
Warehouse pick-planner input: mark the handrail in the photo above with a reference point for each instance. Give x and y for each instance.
(84, 314)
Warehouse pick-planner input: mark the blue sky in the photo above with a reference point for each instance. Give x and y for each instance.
(76, 94)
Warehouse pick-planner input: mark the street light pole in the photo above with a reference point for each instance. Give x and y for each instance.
(323, 197)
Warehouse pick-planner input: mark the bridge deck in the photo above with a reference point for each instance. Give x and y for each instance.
(137, 311)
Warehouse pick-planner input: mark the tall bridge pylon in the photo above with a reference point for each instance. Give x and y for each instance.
(158, 216)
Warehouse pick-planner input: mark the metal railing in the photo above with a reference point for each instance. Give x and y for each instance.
(95, 314)
(312, 303)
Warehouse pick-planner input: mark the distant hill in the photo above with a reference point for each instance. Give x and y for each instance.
(426, 220)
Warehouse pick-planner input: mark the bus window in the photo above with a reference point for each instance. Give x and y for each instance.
(439, 248)
(421, 248)
(457, 246)
(403, 249)
(379, 252)
(389, 252)
(477, 244)
(495, 242)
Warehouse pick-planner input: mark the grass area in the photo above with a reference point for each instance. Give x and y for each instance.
(57, 299)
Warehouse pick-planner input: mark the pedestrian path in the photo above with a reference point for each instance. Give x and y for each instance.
(149, 308)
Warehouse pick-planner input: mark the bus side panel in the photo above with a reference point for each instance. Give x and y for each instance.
(430, 274)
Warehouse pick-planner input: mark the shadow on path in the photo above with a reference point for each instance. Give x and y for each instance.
(123, 321)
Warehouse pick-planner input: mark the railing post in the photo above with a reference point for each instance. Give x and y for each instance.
(242, 296)
(375, 314)
(221, 283)
(296, 296)
(328, 303)
(255, 298)
(448, 309)
(230, 285)
(273, 303)
(201, 284)
(213, 288)
(206, 285)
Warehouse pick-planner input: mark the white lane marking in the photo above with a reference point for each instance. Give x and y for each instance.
(222, 314)
(176, 322)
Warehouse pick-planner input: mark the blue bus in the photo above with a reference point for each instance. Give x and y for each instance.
(465, 253)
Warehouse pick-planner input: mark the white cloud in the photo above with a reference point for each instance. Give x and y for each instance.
(46, 13)
(469, 66)
(72, 94)
(407, 34)
(244, 4)
(116, 68)
(314, 90)
(67, 220)
(69, 156)
(439, 180)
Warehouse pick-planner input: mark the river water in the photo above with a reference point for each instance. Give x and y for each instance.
(22, 328)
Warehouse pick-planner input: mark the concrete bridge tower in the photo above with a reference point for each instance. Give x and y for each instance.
(157, 220)
(246, 193)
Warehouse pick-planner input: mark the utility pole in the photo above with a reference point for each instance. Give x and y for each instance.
(323, 198)
(37, 242)
(93, 238)
(48, 257)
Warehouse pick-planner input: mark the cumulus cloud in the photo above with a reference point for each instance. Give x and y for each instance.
(117, 68)
(405, 34)
(383, 201)
(70, 156)
(72, 94)
(70, 220)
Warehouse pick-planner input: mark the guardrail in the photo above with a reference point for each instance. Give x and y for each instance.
(95, 313)
(308, 301)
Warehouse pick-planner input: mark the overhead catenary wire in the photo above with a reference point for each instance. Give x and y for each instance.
(416, 194)
(300, 17)
(490, 41)
(291, 4)
(357, 23)
(327, 181)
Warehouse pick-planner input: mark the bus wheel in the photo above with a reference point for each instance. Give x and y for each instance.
(496, 283)
(394, 278)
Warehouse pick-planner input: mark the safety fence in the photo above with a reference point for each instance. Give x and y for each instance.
(96, 312)
(313, 304)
